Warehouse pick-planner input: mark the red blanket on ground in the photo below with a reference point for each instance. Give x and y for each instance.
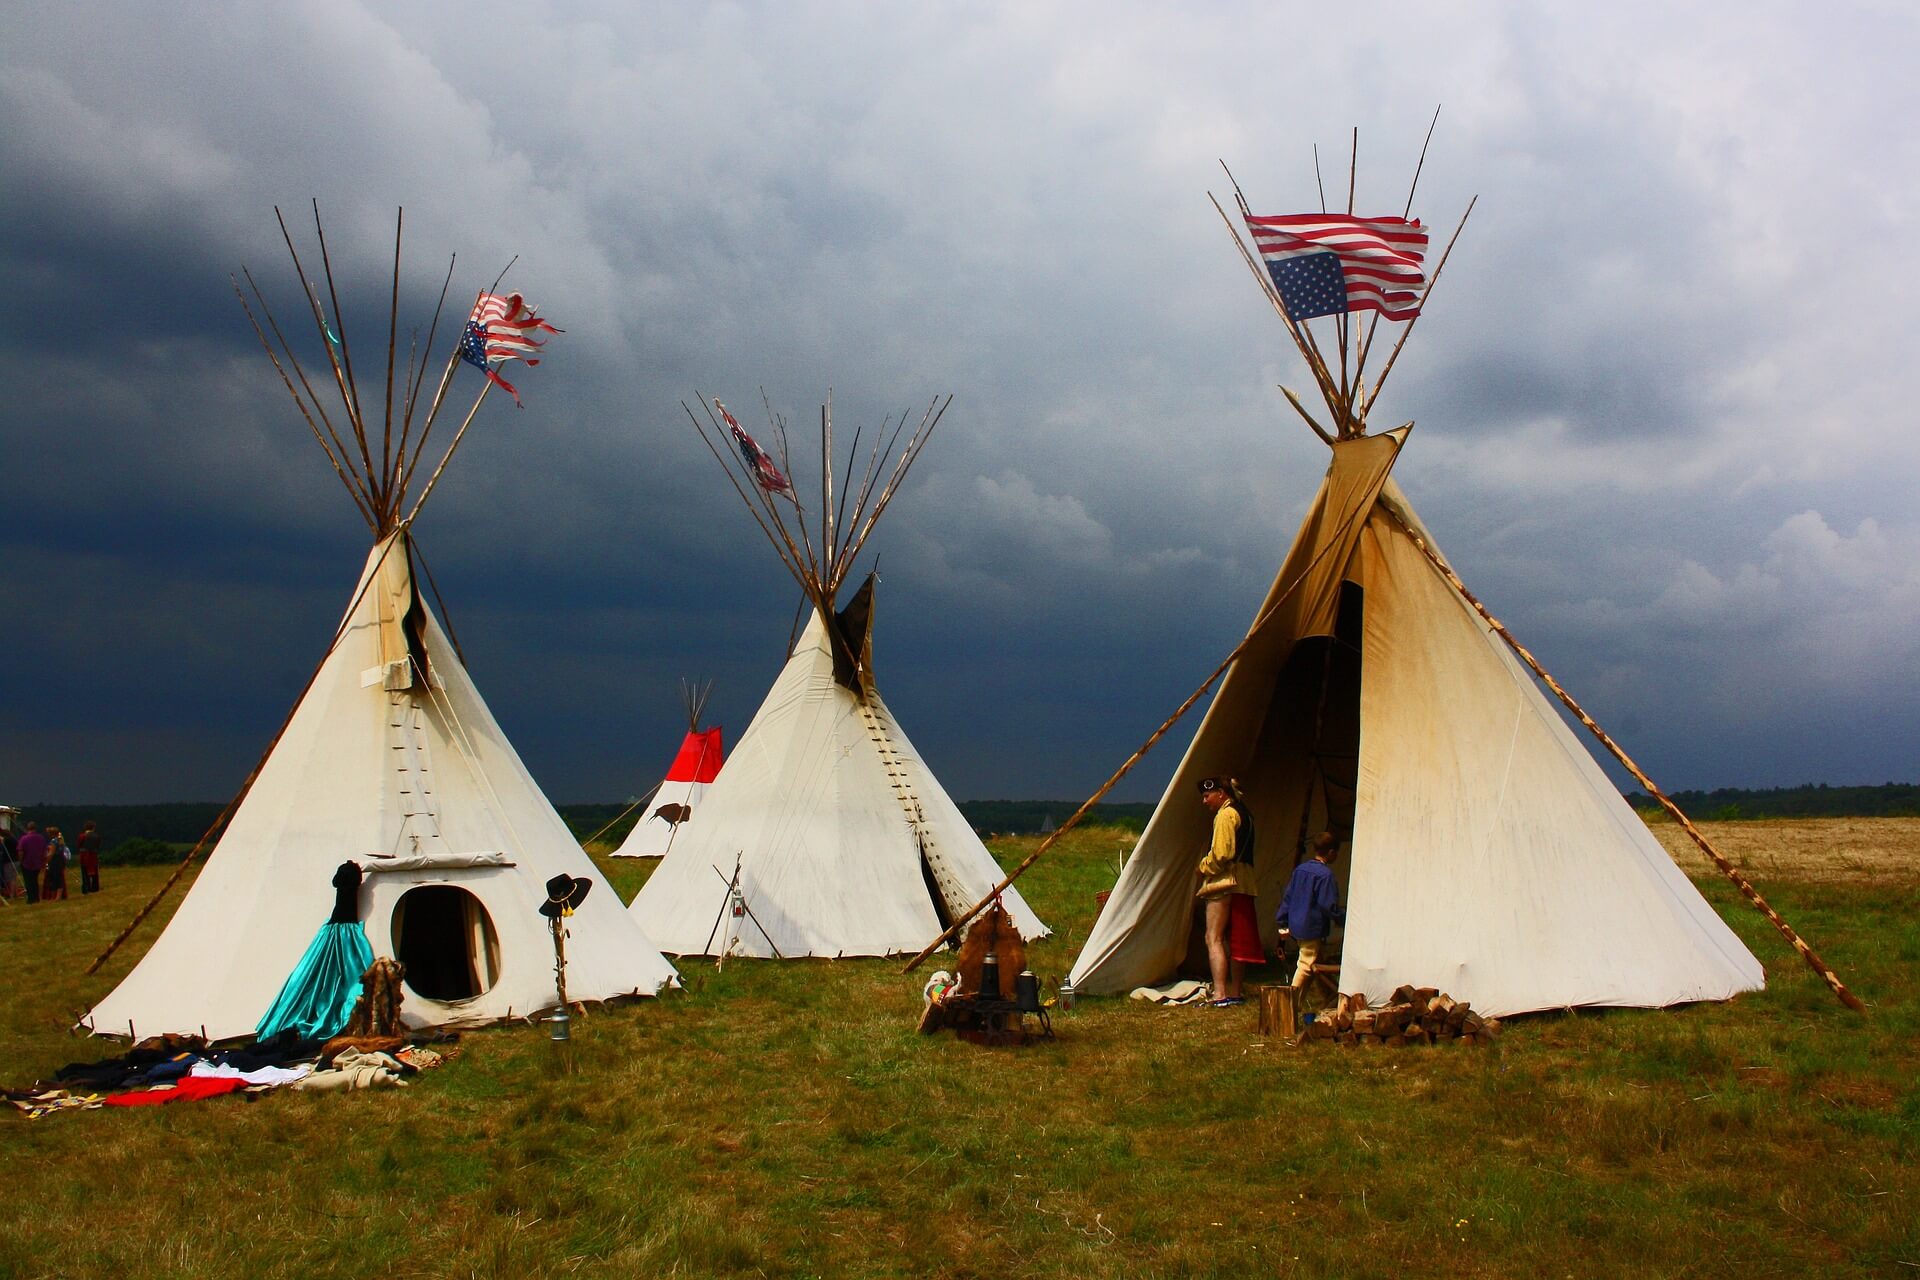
(187, 1090)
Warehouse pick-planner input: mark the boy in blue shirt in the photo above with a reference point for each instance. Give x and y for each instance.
(1311, 905)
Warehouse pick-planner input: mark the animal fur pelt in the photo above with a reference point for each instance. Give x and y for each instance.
(992, 932)
(377, 1012)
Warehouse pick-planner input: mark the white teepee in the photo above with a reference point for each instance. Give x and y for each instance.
(671, 804)
(839, 839)
(392, 760)
(1375, 697)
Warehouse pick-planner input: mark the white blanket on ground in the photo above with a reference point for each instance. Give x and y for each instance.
(265, 1075)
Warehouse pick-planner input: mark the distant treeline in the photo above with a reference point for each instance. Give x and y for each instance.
(161, 832)
(1810, 800)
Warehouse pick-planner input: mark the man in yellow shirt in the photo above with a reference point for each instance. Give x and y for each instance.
(1227, 887)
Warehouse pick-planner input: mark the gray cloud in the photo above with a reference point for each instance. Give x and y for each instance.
(1662, 424)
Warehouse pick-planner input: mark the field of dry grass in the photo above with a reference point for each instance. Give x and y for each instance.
(784, 1120)
(1805, 850)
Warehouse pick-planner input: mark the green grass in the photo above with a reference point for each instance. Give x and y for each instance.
(785, 1120)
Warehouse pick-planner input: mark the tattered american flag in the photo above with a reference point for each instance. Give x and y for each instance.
(770, 477)
(502, 328)
(1327, 264)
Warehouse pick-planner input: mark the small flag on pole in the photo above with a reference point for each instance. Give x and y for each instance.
(1329, 264)
(502, 328)
(758, 462)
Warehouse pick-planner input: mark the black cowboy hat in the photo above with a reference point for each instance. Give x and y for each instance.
(564, 893)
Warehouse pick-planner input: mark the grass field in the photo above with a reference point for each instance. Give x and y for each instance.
(785, 1120)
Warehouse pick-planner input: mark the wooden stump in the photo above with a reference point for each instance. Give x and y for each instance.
(1279, 1012)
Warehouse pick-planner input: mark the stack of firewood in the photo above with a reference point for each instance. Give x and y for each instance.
(1412, 1015)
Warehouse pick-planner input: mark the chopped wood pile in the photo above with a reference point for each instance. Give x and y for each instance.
(1411, 1015)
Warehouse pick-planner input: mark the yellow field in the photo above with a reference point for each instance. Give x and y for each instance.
(1820, 850)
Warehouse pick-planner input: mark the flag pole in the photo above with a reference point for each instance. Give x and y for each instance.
(1425, 293)
(1315, 365)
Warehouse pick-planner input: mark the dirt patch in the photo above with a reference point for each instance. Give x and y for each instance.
(1829, 850)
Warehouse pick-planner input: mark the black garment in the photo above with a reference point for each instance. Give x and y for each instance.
(89, 881)
(1243, 839)
(346, 893)
(132, 1067)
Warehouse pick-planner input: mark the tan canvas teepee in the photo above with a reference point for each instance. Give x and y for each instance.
(1373, 695)
(1490, 856)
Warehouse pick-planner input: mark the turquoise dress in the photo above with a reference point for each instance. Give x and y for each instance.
(318, 997)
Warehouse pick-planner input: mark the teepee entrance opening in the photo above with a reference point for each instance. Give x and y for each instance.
(1307, 757)
(1304, 763)
(446, 939)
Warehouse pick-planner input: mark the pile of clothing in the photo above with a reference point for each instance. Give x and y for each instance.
(176, 1068)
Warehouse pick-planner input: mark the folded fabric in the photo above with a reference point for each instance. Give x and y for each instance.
(1185, 991)
(353, 1069)
(188, 1089)
(259, 1075)
(172, 1069)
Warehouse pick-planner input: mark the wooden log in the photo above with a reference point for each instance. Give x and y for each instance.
(1423, 994)
(1363, 1022)
(1491, 1028)
(1343, 1021)
(1279, 1012)
(1457, 1017)
(1402, 994)
(1472, 1023)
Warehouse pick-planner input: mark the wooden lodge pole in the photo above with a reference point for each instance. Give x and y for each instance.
(1718, 859)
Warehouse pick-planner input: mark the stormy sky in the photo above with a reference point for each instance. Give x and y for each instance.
(1665, 424)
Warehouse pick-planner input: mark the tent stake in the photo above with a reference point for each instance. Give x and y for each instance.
(1718, 859)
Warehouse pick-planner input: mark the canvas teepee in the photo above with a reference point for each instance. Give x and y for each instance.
(1488, 854)
(671, 804)
(390, 758)
(837, 837)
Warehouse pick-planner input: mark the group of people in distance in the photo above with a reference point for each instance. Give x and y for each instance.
(34, 863)
(1308, 910)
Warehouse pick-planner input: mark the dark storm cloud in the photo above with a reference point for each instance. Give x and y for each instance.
(1662, 426)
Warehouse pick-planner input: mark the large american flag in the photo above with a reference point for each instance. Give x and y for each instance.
(502, 328)
(770, 477)
(1327, 264)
